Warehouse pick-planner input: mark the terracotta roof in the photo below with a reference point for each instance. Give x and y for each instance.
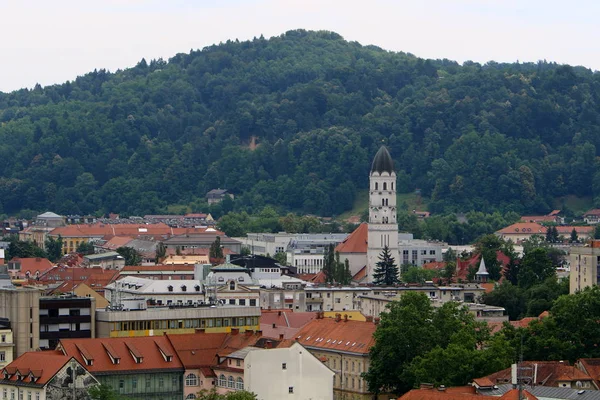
(93, 277)
(548, 373)
(286, 318)
(131, 230)
(435, 265)
(435, 394)
(356, 242)
(483, 382)
(329, 334)
(360, 275)
(520, 228)
(33, 264)
(42, 365)
(591, 366)
(594, 211)
(313, 278)
(116, 241)
(538, 218)
(151, 349)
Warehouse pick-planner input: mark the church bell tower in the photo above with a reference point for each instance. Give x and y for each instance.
(383, 227)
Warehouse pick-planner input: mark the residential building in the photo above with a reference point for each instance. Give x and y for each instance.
(280, 373)
(202, 241)
(590, 366)
(520, 231)
(343, 345)
(6, 343)
(186, 259)
(232, 284)
(80, 290)
(31, 267)
(584, 266)
(156, 292)
(22, 308)
(134, 367)
(267, 243)
(66, 316)
(108, 260)
(42, 226)
(140, 320)
(283, 324)
(383, 227)
(592, 216)
(217, 196)
(45, 375)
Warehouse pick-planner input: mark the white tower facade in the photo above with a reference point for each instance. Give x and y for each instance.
(383, 227)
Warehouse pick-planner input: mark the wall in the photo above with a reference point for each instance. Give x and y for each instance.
(22, 308)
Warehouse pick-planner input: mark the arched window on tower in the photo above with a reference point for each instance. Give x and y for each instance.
(384, 185)
(383, 202)
(392, 185)
(376, 186)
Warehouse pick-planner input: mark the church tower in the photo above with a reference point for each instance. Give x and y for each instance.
(383, 227)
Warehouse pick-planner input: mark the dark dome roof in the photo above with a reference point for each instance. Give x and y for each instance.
(383, 161)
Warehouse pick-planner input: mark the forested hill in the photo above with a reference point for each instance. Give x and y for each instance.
(294, 121)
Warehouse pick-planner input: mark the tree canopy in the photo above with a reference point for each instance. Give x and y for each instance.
(294, 121)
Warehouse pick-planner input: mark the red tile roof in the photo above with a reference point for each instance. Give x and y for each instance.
(356, 242)
(329, 334)
(286, 318)
(42, 365)
(157, 268)
(33, 265)
(538, 218)
(150, 348)
(591, 366)
(131, 230)
(513, 394)
(116, 241)
(360, 275)
(520, 228)
(549, 373)
(594, 211)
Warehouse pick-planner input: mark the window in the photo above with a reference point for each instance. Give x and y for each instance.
(238, 363)
(161, 382)
(222, 381)
(148, 382)
(2, 356)
(230, 382)
(3, 338)
(121, 383)
(183, 288)
(190, 396)
(232, 285)
(291, 390)
(252, 302)
(37, 396)
(134, 383)
(191, 380)
(174, 384)
(170, 288)
(242, 302)
(239, 384)
(338, 300)
(432, 252)
(232, 301)
(283, 366)
(28, 395)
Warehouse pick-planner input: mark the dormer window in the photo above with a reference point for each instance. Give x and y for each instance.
(221, 279)
(183, 288)
(170, 288)
(197, 288)
(232, 285)
(241, 279)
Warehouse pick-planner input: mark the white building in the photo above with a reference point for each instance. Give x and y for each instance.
(159, 292)
(417, 251)
(286, 373)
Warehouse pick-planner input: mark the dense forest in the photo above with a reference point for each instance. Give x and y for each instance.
(294, 121)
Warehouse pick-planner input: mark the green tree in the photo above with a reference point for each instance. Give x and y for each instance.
(23, 249)
(131, 255)
(342, 270)
(415, 274)
(552, 234)
(488, 247)
(281, 257)
(329, 263)
(103, 392)
(386, 270)
(216, 251)
(161, 252)
(212, 394)
(85, 248)
(597, 232)
(574, 237)
(54, 248)
(536, 266)
(509, 296)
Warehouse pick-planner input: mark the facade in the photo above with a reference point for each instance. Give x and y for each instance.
(157, 321)
(155, 292)
(306, 251)
(159, 272)
(217, 196)
(267, 243)
(383, 227)
(592, 217)
(584, 266)
(202, 241)
(520, 231)
(6, 343)
(418, 252)
(66, 316)
(136, 367)
(22, 308)
(45, 375)
(344, 346)
(354, 249)
(31, 267)
(284, 373)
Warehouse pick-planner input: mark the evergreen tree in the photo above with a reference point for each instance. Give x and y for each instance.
(386, 270)
(329, 263)
(131, 255)
(552, 235)
(54, 248)
(574, 237)
(216, 251)
(85, 248)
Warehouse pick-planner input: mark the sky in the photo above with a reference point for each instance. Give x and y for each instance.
(50, 42)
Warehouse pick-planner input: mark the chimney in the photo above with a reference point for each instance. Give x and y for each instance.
(281, 336)
(376, 320)
(369, 318)
(200, 330)
(235, 331)
(442, 388)
(274, 325)
(268, 344)
(279, 313)
(338, 317)
(345, 317)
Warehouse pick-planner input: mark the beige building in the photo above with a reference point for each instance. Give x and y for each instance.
(6, 343)
(22, 307)
(342, 345)
(584, 266)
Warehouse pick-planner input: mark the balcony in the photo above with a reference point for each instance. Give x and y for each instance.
(314, 300)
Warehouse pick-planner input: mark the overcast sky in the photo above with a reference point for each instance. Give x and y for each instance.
(51, 42)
